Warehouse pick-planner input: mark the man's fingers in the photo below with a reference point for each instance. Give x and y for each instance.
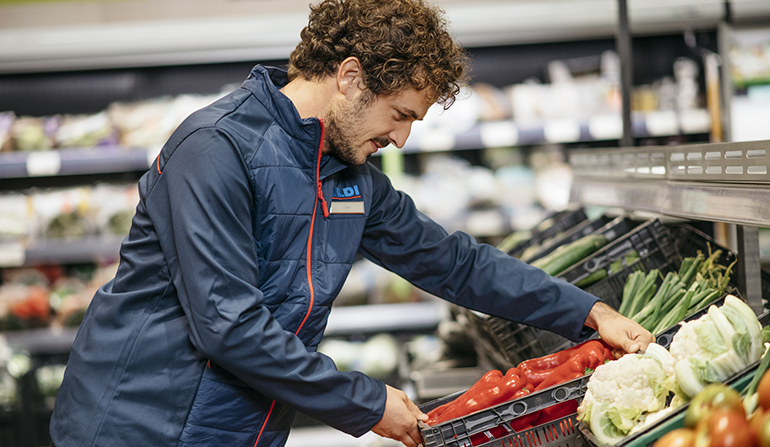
(414, 435)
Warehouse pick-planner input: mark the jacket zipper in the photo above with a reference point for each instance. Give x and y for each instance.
(308, 263)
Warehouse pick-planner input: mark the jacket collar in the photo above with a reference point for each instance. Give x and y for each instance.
(264, 83)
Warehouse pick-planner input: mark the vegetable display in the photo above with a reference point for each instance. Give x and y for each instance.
(530, 375)
(718, 416)
(719, 344)
(621, 395)
(625, 396)
(566, 255)
(700, 280)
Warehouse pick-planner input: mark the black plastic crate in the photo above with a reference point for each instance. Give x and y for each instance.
(611, 228)
(463, 431)
(549, 228)
(682, 241)
(650, 240)
(562, 432)
(502, 344)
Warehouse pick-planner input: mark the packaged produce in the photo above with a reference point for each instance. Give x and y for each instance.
(6, 127)
(85, 131)
(34, 133)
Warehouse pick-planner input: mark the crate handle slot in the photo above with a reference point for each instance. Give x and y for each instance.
(563, 393)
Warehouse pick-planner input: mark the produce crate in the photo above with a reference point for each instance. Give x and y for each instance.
(503, 344)
(650, 240)
(549, 228)
(473, 430)
(678, 242)
(612, 228)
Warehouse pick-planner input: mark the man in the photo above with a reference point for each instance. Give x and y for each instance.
(243, 237)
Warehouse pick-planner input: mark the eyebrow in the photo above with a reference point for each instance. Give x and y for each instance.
(409, 112)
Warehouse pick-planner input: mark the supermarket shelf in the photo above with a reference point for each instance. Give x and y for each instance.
(343, 320)
(725, 182)
(101, 160)
(112, 159)
(48, 252)
(596, 128)
(735, 188)
(741, 204)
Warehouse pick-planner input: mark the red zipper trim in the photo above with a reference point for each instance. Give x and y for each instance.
(319, 196)
(264, 424)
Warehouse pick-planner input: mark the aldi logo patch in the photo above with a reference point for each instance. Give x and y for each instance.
(347, 200)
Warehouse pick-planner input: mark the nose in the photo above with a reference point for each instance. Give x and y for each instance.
(399, 135)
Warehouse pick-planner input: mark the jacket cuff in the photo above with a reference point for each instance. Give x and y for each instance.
(378, 409)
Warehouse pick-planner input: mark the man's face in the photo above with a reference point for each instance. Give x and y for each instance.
(356, 129)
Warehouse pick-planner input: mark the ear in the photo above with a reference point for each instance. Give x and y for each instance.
(350, 77)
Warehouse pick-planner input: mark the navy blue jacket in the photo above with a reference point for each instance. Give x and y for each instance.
(242, 239)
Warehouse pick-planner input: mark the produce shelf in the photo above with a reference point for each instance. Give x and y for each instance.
(561, 130)
(99, 160)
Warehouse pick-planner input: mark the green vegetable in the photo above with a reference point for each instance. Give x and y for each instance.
(645, 293)
(629, 291)
(594, 277)
(567, 255)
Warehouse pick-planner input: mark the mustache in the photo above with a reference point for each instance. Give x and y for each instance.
(382, 141)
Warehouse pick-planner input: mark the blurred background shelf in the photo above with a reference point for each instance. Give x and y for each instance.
(561, 130)
(99, 249)
(74, 161)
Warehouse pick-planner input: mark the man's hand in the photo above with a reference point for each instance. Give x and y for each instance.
(399, 421)
(623, 334)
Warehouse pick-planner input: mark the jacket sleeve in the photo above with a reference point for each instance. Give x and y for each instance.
(201, 205)
(456, 268)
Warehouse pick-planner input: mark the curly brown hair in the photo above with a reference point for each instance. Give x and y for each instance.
(400, 43)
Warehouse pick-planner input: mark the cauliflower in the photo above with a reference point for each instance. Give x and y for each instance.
(622, 393)
(714, 347)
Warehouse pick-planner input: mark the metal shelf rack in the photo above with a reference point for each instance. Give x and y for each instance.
(720, 182)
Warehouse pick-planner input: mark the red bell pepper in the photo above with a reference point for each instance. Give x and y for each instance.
(490, 376)
(535, 371)
(588, 357)
(480, 396)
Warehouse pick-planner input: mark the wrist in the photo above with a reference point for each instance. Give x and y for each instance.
(598, 311)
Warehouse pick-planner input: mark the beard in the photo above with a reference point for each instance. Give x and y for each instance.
(342, 124)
